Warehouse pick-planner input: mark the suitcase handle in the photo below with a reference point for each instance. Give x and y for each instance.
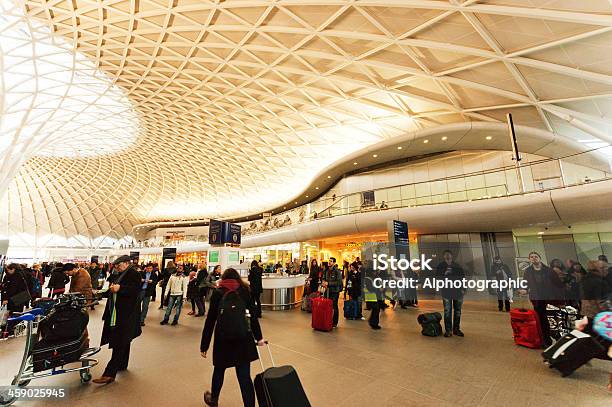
(263, 369)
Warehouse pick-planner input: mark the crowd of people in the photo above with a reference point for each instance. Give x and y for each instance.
(132, 287)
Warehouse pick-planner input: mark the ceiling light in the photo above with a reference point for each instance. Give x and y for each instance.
(399, 147)
(444, 138)
(329, 176)
(425, 141)
(316, 187)
(306, 196)
(355, 163)
(488, 137)
(375, 155)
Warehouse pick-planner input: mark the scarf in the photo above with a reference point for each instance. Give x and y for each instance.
(230, 284)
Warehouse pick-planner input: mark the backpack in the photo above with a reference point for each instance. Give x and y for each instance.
(430, 324)
(64, 322)
(232, 319)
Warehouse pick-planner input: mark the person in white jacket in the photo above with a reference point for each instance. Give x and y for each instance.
(177, 291)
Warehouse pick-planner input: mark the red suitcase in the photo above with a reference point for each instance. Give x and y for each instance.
(322, 314)
(526, 328)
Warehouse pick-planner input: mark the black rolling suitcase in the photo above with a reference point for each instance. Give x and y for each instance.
(572, 351)
(50, 354)
(279, 386)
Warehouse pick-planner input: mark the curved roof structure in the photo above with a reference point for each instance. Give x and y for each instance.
(228, 108)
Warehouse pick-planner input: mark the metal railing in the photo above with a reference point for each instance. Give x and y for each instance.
(536, 176)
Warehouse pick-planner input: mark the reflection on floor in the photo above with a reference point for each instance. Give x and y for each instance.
(352, 366)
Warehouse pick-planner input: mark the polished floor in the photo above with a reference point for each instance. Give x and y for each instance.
(352, 366)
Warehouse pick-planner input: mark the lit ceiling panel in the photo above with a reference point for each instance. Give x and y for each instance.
(236, 105)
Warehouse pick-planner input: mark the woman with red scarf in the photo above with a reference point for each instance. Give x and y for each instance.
(232, 317)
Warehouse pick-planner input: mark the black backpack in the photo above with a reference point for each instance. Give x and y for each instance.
(232, 319)
(430, 324)
(63, 323)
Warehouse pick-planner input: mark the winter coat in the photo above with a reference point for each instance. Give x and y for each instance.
(229, 353)
(255, 279)
(81, 283)
(127, 306)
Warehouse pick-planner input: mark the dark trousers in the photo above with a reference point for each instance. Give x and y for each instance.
(198, 301)
(539, 306)
(119, 360)
(243, 372)
(375, 314)
(257, 301)
(334, 297)
(164, 298)
(452, 313)
(501, 303)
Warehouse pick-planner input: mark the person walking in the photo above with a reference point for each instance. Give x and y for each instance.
(353, 287)
(121, 317)
(193, 294)
(57, 282)
(232, 320)
(168, 271)
(313, 276)
(372, 294)
(540, 278)
(202, 288)
(80, 281)
(177, 291)
(255, 274)
(332, 281)
(501, 272)
(149, 280)
(452, 298)
(15, 290)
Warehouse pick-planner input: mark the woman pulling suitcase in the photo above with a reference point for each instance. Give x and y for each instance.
(233, 319)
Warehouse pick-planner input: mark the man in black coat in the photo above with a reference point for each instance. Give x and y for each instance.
(452, 298)
(121, 317)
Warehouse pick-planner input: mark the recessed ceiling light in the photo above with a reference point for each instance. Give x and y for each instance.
(425, 141)
(375, 155)
(540, 233)
(329, 176)
(306, 196)
(316, 187)
(399, 147)
(296, 202)
(355, 163)
(488, 137)
(284, 207)
(444, 138)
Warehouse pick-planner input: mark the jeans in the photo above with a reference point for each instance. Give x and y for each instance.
(375, 314)
(119, 360)
(174, 301)
(243, 372)
(334, 297)
(452, 313)
(144, 305)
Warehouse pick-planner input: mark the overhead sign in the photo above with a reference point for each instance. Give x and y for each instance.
(400, 232)
(220, 233)
(232, 233)
(215, 232)
(168, 254)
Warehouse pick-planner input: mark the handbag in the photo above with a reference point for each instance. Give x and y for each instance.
(22, 297)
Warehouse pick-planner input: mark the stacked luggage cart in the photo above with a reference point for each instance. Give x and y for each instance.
(55, 336)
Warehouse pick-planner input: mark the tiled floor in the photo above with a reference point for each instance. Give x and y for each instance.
(352, 366)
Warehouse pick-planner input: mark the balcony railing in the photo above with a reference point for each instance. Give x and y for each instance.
(536, 176)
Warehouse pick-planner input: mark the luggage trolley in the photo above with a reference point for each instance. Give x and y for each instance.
(26, 371)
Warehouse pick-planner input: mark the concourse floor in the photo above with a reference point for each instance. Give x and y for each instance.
(352, 366)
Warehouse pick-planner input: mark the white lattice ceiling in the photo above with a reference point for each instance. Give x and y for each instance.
(241, 103)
